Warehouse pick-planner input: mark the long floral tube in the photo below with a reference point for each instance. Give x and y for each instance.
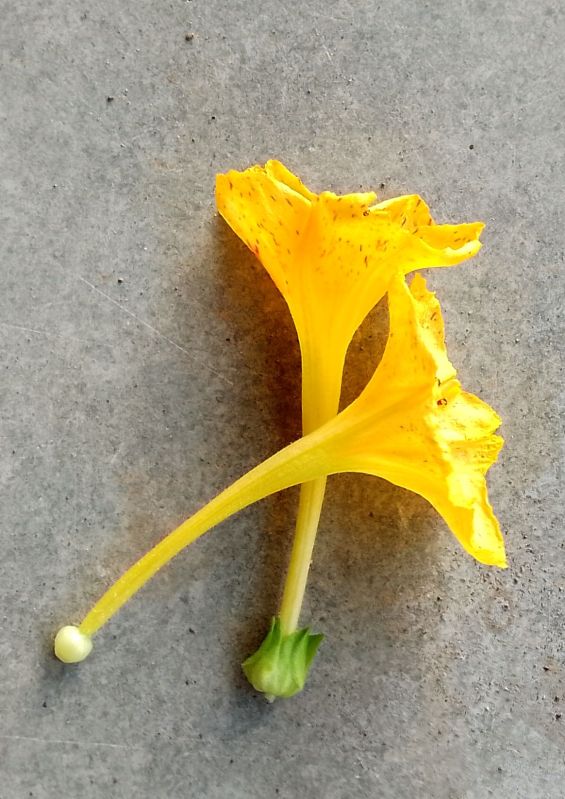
(286, 468)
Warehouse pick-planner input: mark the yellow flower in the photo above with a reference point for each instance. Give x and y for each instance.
(413, 425)
(332, 258)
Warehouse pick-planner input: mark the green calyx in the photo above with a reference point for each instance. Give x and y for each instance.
(280, 666)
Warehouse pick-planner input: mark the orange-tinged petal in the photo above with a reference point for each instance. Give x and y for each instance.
(415, 426)
(450, 244)
(410, 211)
(267, 214)
(332, 257)
(279, 172)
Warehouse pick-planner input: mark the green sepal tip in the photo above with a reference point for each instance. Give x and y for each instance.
(280, 666)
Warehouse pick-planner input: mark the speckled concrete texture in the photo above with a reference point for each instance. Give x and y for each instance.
(147, 361)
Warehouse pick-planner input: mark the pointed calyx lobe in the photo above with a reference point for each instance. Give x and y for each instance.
(280, 666)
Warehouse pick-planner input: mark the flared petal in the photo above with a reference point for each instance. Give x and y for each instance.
(415, 426)
(268, 214)
(279, 172)
(331, 256)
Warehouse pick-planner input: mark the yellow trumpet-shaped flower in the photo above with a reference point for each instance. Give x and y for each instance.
(332, 258)
(413, 425)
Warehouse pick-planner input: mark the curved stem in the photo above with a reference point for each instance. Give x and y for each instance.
(309, 510)
(321, 388)
(286, 468)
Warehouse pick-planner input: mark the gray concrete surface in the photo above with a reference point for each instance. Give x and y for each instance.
(147, 361)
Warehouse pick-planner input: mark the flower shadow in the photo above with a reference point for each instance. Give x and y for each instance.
(268, 395)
